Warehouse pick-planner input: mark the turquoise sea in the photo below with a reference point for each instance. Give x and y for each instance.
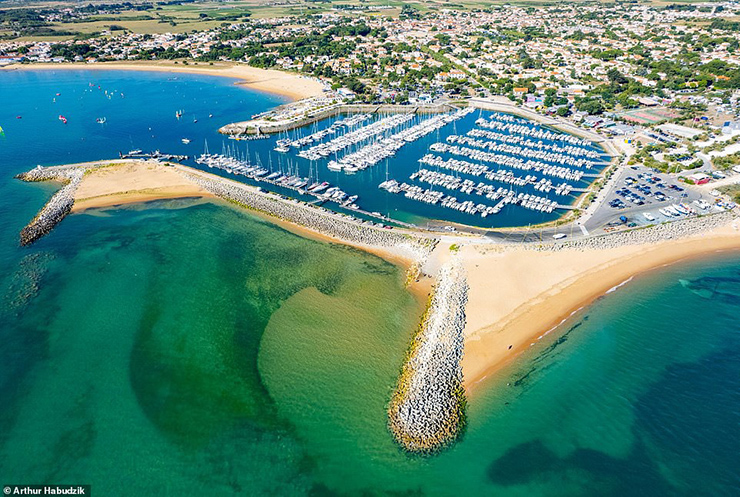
(185, 347)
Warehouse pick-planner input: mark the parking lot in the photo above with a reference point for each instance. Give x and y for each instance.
(638, 196)
(642, 196)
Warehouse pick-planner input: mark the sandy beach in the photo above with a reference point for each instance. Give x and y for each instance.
(518, 295)
(282, 83)
(132, 181)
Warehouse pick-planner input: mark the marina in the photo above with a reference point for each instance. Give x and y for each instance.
(463, 166)
(322, 190)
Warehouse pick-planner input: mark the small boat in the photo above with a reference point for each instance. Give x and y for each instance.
(101, 120)
(186, 141)
(19, 117)
(195, 121)
(63, 119)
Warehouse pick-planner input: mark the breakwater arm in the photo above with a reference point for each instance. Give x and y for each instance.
(57, 207)
(427, 411)
(674, 230)
(314, 218)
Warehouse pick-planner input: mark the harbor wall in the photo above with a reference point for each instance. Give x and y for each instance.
(247, 128)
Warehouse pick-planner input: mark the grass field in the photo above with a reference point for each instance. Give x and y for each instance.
(189, 17)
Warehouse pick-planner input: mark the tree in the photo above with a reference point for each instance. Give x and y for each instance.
(590, 105)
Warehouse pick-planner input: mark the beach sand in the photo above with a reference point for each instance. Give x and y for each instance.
(518, 295)
(282, 83)
(128, 182)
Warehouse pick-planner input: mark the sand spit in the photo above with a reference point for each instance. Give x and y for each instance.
(58, 206)
(427, 411)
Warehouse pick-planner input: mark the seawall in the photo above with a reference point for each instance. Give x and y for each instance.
(251, 128)
(314, 218)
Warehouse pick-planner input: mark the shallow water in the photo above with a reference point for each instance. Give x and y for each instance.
(183, 346)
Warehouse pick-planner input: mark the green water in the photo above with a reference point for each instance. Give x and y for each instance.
(193, 347)
(187, 348)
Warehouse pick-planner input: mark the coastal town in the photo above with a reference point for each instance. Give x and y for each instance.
(662, 78)
(517, 162)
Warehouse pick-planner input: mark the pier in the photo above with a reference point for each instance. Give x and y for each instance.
(156, 155)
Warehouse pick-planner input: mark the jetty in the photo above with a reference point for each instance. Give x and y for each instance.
(58, 206)
(427, 410)
(323, 221)
(156, 155)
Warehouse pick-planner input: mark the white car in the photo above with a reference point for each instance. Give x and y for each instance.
(559, 236)
(649, 217)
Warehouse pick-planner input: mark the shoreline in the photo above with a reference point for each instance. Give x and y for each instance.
(292, 86)
(487, 347)
(517, 293)
(110, 183)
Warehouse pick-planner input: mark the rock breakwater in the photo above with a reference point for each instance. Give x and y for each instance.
(58, 206)
(315, 218)
(651, 234)
(427, 410)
